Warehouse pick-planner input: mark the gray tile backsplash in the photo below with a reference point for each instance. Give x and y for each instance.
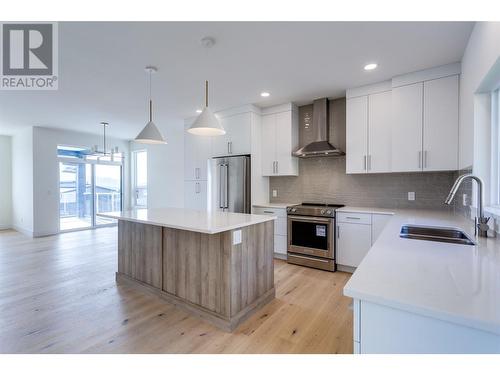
(325, 180)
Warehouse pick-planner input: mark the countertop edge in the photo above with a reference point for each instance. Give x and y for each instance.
(265, 218)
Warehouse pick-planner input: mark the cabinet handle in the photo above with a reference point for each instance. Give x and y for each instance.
(274, 167)
(420, 159)
(353, 218)
(369, 167)
(268, 212)
(364, 162)
(338, 231)
(425, 159)
(277, 168)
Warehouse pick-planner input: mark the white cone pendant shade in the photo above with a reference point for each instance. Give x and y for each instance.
(207, 123)
(150, 134)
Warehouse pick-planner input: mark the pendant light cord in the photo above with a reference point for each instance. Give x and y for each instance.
(206, 93)
(150, 98)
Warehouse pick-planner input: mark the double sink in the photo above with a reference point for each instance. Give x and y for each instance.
(439, 234)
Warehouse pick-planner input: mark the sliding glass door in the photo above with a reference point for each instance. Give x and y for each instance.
(108, 191)
(87, 189)
(76, 201)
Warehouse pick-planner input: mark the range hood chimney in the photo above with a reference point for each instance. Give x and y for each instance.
(320, 125)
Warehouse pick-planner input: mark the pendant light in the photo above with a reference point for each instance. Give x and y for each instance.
(150, 134)
(207, 123)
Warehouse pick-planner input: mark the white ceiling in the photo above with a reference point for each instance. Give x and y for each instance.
(102, 78)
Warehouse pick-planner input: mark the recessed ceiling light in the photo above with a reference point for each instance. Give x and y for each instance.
(198, 111)
(370, 66)
(264, 94)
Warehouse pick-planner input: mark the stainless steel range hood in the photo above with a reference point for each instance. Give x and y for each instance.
(320, 124)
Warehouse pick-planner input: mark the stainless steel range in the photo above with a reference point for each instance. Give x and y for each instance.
(311, 235)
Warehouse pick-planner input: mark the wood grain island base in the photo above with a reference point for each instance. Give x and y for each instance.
(209, 275)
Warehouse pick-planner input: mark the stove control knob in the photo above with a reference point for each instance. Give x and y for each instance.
(328, 212)
(322, 212)
(294, 209)
(288, 209)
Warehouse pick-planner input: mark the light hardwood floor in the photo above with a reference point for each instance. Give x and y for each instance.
(58, 295)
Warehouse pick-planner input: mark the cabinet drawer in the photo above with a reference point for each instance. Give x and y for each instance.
(354, 217)
(280, 212)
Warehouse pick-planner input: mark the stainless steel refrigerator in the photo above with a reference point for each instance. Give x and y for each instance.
(229, 184)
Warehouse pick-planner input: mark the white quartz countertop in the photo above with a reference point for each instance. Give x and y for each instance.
(192, 220)
(455, 283)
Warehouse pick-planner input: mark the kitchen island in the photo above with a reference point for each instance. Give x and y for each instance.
(216, 265)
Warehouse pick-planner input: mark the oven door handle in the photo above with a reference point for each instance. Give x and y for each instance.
(311, 219)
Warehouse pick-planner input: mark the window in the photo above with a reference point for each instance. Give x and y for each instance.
(88, 185)
(140, 176)
(495, 149)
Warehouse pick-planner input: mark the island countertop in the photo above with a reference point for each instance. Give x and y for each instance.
(209, 222)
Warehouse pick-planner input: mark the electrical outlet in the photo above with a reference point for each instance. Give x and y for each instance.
(411, 195)
(464, 200)
(275, 193)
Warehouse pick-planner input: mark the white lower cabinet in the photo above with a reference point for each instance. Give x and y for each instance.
(380, 329)
(356, 233)
(280, 228)
(195, 194)
(353, 242)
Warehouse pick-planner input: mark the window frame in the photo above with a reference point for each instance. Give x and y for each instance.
(135, 186)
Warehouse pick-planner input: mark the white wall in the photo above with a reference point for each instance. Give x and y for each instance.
(22, 181)
(481, 53)
(5, 182)
(166, 167)
(46, 173)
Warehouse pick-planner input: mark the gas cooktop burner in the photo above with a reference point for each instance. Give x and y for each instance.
(314, 209)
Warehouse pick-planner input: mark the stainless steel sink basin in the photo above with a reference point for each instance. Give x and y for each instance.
(439, 234)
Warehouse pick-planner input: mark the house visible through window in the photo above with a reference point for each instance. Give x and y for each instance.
(140, 178)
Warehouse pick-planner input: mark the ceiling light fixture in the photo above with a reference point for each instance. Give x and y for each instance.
(150, 134)
(371, 66)
(207, 123)
(264, 94)
(199, 111)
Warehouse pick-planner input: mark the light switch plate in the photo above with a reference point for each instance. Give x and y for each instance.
(237, 237)
(275, 193)
(411, 195)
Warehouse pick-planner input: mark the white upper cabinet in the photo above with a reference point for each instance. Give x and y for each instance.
(379, 132)
(407, 128)
(197, 151)
(368, 133)
(408, 124)
(440, 147)
(237, 140)
(279, 139)
(356, 134)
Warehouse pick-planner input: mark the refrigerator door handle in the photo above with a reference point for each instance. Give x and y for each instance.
(226, 185)
(221, 182)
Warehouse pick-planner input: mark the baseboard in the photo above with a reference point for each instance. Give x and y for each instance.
(26, 232)
(43, 234)
(5, 227)
(280, 256)
(342, 268)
